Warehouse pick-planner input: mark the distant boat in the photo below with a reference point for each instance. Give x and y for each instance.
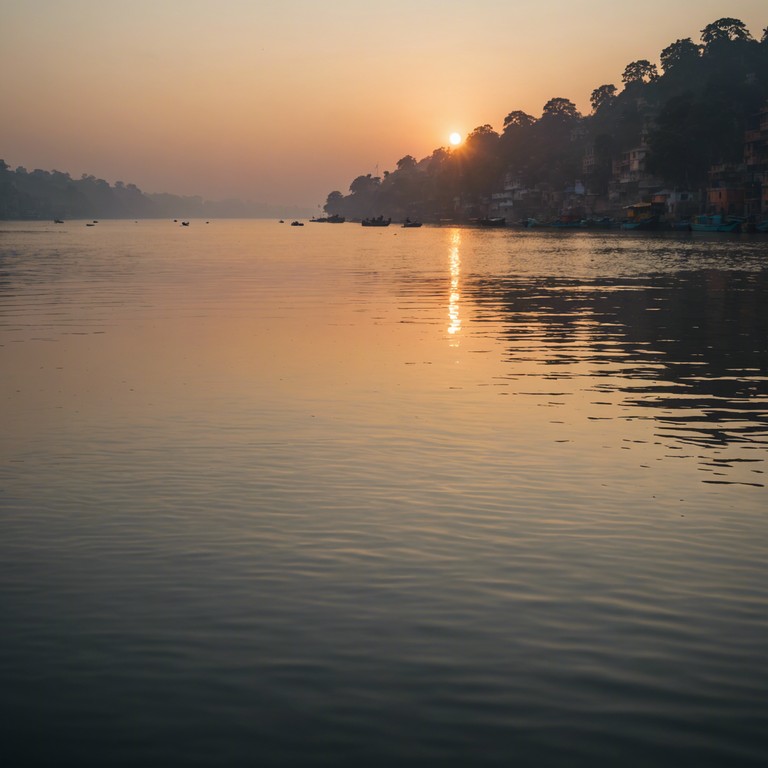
(297, 224)
(408, 224)
(714, 223)
(58, 221)
(379, 221)
(282, 221)
(493, 221)
(184, 223)
(90, 225)
(332, 219)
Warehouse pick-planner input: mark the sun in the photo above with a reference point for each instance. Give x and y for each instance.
(455, 139)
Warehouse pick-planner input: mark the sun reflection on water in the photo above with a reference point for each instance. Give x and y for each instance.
(454, 325)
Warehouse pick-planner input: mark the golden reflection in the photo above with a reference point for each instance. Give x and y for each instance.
(454, 325)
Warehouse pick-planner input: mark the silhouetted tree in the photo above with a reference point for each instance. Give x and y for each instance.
(680, 53)
(641, 71)
(334, 203)
(724, 29)
(603, 96)
(561, 110)
(518, 119)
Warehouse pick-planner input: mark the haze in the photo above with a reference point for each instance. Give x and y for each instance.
(282, 102)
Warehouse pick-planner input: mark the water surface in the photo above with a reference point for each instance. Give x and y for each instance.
(339, 496)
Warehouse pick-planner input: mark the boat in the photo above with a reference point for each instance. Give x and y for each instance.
(184, 223)
(58, 221)
(566, 223)
(714, 223)
(643, 216)
(297, 224)
(408, 224)
(332, 219)
(379, 221)
(493, 221)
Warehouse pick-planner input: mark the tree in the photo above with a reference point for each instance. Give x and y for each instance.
(333, 203)
(725, 29)
(640, 71)
(363, 185)
(602, 96)
(688, 136)
(518, 119)
(406, 163)
(678, 54)
(560, 110)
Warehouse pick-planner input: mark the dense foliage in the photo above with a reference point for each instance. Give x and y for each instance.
(42, 194)
(689, 115)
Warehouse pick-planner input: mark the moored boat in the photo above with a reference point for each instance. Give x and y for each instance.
(408, 224)
(378, 221)
(714, 223)
(493, 221)
(297, 224)
(332, 219)
(643, 216)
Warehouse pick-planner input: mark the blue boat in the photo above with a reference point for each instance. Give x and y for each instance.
(714, 223)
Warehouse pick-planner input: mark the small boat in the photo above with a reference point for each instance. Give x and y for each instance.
(58, 221)
(644, 223)
(379, 221)
(297, 224)
(568, 224)
(493, 221)
(408, 224)
(332, 219)
(643, 216)
(714, 223)
(282, 221)
(184, 223)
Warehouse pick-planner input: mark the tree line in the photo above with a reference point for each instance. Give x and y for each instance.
(40, 194)
(690, 112)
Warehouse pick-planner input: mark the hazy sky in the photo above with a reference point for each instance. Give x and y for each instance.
(285, 100)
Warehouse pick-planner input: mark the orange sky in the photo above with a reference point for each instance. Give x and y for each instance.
(283, 101)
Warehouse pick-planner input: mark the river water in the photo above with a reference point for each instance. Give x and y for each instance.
(338, 496)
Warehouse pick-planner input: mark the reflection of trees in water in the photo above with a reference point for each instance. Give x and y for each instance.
(694, 347)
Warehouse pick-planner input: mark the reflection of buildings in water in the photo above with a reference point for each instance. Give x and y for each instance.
(690, 348)
(454, 325)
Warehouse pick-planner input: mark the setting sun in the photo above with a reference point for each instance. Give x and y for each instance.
(455, 139)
